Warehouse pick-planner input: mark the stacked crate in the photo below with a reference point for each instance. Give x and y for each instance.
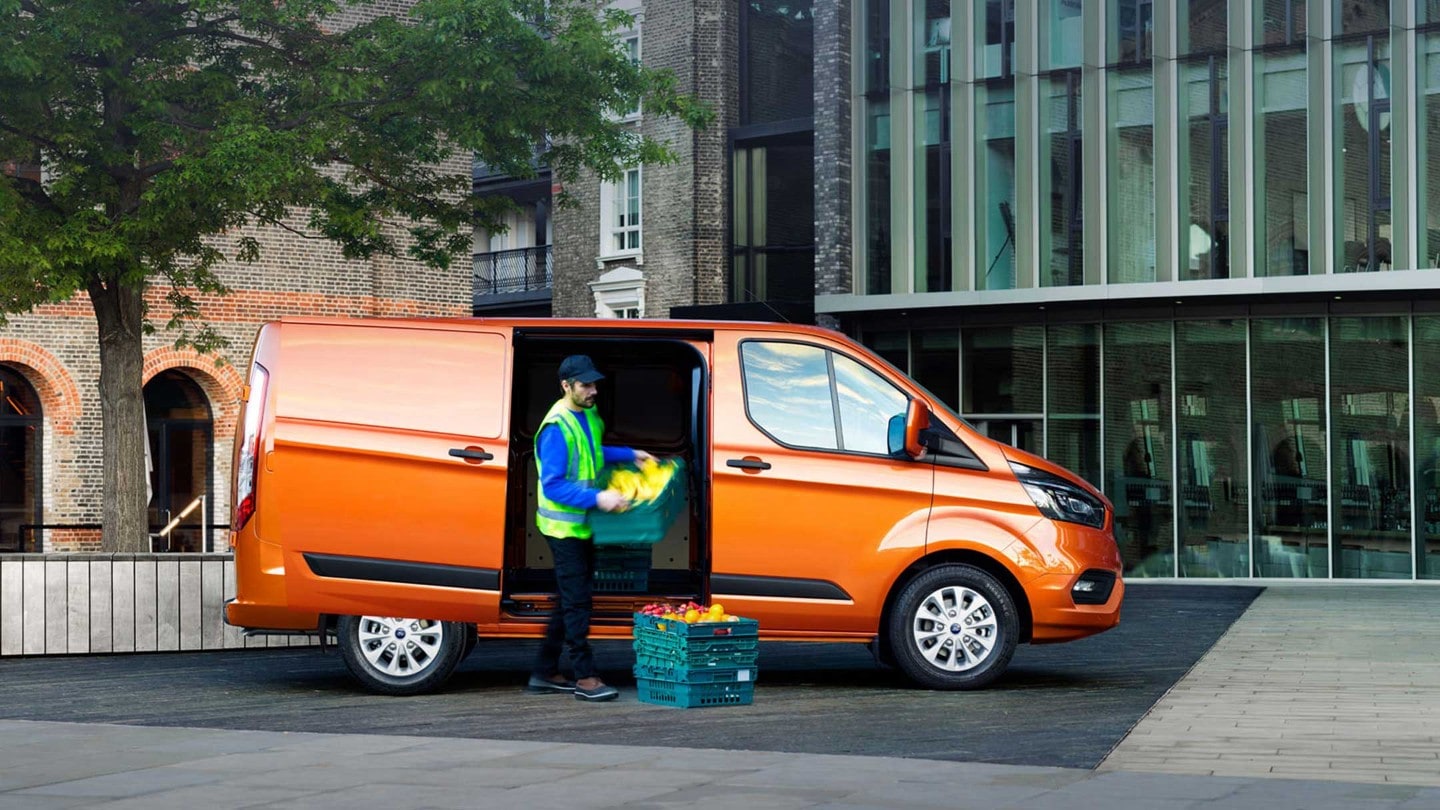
(624, 540)
(622, 569)
(696, 664)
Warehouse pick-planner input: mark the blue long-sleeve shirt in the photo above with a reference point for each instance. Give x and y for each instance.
(555, 459)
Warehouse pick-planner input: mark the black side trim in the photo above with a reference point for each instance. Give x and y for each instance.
(778, 587)
(404, 573)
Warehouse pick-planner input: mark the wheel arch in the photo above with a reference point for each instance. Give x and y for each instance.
(960, 556)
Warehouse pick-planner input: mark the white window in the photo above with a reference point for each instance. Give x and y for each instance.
(620, 293)
(620, 216)
(630, 42)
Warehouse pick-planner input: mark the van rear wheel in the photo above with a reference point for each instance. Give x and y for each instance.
(399, 656)
(954, 627)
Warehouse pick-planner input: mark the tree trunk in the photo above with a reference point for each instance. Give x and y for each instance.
(119, 311)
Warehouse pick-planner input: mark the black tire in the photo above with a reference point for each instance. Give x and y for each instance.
(396, 656)
(973, 648)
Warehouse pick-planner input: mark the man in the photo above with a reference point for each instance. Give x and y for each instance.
(569, 453)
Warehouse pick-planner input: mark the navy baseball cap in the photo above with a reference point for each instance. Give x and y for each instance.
(579, 367)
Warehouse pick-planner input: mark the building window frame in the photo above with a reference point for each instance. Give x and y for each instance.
(622, 234)
(620, 293)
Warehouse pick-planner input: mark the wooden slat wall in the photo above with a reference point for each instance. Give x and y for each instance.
(56, 604)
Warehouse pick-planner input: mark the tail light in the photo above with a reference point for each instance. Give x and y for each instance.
(247, 460)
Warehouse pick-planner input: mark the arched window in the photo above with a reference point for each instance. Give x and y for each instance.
(181, 458)
(21, 429)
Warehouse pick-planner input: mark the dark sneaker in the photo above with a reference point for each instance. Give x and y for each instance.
(541, 685)
(600, 693)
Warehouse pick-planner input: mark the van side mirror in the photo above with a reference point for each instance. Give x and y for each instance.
(904, 430)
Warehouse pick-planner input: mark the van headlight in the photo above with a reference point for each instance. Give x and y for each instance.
(1059, 499)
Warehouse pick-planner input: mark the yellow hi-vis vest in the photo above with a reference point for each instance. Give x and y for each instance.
(557, 519)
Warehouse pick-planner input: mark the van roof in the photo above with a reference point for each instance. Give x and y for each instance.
(618, 324)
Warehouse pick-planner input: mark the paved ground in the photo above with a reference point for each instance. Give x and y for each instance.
(1335, 682)
(1060, 705)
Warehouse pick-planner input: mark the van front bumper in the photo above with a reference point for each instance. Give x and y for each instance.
(1058, 611)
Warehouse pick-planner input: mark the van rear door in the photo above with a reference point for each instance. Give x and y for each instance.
(389, 468)
(811, 516)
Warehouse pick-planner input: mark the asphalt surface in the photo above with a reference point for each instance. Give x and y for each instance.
(1063, 705)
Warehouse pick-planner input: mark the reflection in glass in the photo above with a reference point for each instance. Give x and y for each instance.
(1132, 31)
(894, 347)
(1204, 156)
(1427, 445)
(932, 42)
(1131, 189)
(1369, 451)
(779, 51)
(937, 363)
(932, 190)
(1063, 33)
(1428, 163)
(1137, 445)
(1287, 361)
(1211, 448)
(1280, 22)
(877, 196)
(773, 222)
(1004, 368)
(877, 46)
(867, 402)
(787, 393)
(995, 186)
(1362, 157)
(995, 48)
(1062, 259)
(1282, 220)
(1072, 434)
(20, 443)
(1359, 16)
(1204, 25)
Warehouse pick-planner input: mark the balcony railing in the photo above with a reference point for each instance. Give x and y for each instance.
(514, 271)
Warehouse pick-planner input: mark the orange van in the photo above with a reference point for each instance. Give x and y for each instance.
(384, 494)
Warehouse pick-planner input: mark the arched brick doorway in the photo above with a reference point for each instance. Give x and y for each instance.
(182, 457)
(22, 427)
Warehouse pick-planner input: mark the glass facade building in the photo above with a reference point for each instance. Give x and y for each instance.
(1187, 249)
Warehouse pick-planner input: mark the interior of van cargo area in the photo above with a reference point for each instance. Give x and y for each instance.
(652, 398)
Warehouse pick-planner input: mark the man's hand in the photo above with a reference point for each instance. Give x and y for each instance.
(641, 457)
(608, 500)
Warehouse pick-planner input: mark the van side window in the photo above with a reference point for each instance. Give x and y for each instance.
(806, 396)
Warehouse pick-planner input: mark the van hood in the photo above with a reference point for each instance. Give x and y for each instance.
(1019, 456)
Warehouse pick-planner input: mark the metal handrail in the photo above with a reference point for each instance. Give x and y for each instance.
(512, 271)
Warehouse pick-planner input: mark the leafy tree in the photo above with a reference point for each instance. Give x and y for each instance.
(164, 125)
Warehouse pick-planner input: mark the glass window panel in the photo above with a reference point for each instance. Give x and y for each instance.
(894, 347)
(1429, 148)
(995, 39)
(877, 197)
(1212, 469)
(932, 190)
(877, 45)
(787, 393)
(1370, 446)
(1131, 188)
(1204, 25)
(1359, 16)
(1132, 31)
(1280, 22)
(1427, 11)
(1137, 445)
(867, 402)
(995, 187)
(1282, 220)
(20, 463)
(1072, 386)
(1062, 34)
(1062, 230)
(932, 42)
(1287, 362)
(779, 53)
(1204, 172)
(936, 357)
(1427, 445)
(1362, 158)
(1003, 370)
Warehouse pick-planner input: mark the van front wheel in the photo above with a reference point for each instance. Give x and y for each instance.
(954, 627)
(396, 656)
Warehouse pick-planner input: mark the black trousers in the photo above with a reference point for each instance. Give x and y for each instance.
(570, 622)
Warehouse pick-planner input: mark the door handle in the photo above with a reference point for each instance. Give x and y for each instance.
(748, 463)
(471, 453)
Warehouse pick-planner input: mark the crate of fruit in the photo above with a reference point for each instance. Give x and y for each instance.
(694, 695)
(694, 621)
(687, 636)
(658, 494)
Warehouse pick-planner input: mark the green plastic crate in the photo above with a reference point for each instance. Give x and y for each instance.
(740, 628)
(694, 695)
(643, 522)
(663, 669)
